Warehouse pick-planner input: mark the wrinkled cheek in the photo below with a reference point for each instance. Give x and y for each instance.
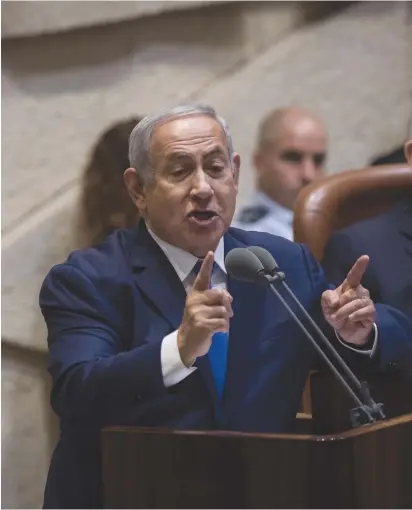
(231, 203)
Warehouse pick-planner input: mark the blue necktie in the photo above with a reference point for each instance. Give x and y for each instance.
(218, 350)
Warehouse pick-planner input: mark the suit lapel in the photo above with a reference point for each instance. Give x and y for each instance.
(156, 277)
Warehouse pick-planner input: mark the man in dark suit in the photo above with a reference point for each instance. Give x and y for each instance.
(387, 239)
(391, 158)
(148, 329)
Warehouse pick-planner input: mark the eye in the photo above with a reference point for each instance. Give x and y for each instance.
(292, 157)
(215, 167)
(179, 171)
(319, 159)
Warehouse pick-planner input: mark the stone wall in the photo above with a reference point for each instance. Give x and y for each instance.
(42, 17)
(69, 72)
(28, 427)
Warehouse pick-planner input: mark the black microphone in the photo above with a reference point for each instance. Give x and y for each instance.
(256, 265)
(269, 263)
(245, 266)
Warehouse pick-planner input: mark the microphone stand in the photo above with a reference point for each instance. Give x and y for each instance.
(367, 411)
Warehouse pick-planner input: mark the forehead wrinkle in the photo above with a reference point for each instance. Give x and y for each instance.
(184, 152)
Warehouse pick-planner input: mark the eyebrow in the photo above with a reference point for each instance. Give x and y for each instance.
(295, 151)
(178, 156)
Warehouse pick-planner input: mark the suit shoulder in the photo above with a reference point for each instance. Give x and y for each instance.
(364, 237)
(365, 229)
(107, 260)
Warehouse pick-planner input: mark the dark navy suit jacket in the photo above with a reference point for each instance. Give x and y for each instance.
(107, 310)
(387, 239)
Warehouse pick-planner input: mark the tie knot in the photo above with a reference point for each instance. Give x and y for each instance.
(198, 265)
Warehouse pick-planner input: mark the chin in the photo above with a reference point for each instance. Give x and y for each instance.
(202, 244)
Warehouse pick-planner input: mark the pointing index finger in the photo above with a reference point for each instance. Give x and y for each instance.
(355, 275)
(202, 280)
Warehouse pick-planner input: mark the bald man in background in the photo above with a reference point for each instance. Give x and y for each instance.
(290, 154)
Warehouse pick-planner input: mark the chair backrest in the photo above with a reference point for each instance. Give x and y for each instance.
(345, 198)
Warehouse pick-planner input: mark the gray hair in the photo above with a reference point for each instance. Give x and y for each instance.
(140, 137)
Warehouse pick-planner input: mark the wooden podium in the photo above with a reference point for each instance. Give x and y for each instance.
(366, 467)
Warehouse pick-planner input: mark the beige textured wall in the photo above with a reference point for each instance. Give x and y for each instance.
(29, 428)
(61, 89)
(34, 18)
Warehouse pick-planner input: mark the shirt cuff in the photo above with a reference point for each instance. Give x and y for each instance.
(173, 368)
(368, 352)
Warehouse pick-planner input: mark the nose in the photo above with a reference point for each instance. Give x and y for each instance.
(201, 188)
(308, 170)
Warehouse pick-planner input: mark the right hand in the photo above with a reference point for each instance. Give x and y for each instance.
(206, 312)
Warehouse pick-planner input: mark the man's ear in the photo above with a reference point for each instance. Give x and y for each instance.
(135, 188)
(408, 152)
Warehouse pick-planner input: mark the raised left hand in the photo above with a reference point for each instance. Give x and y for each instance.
(349, 308)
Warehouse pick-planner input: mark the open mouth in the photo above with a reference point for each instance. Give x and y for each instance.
(203, 217)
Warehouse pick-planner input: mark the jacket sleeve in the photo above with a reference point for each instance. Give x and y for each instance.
(394, 330)
(90, 373)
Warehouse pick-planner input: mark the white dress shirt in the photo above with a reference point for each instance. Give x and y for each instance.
(173, 368)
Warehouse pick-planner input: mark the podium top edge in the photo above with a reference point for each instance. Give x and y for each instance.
(365, 429)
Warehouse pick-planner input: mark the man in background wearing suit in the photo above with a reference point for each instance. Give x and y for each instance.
(387, 239)
(147, 328)
(290, 154)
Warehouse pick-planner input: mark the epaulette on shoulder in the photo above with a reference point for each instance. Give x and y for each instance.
(253, 214)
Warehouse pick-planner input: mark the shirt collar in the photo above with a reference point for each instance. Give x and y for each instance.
(182, 261)
(283, 212)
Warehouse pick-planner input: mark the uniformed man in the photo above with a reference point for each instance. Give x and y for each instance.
(291, 152)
